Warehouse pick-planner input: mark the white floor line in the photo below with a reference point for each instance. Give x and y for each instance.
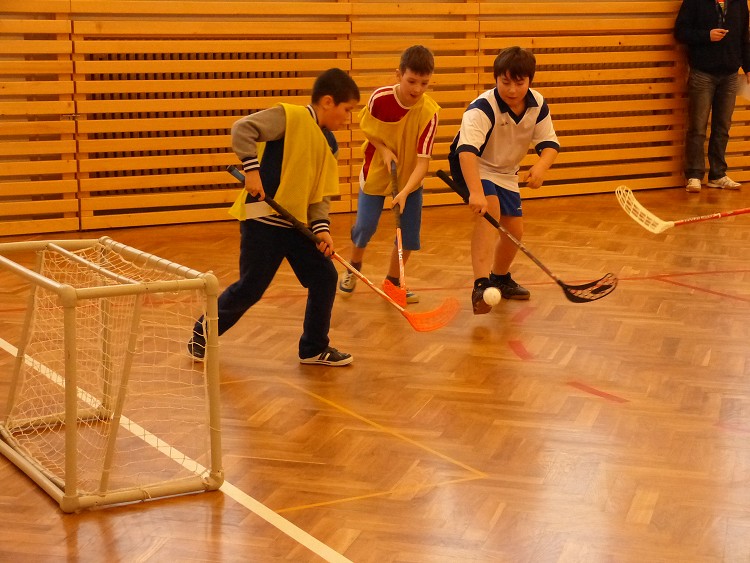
(254, 506)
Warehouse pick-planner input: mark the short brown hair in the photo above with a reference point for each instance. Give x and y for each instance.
(516, 62)
(417, 59)
(336, 83)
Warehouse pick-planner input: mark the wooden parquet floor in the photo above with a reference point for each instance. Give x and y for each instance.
(545, 431)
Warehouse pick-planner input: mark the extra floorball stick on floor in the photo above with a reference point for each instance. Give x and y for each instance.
(582, 293)
(422, 322)
(651, 222)
(397, 293)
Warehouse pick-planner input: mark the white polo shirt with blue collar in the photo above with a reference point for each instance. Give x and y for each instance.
(500, 138)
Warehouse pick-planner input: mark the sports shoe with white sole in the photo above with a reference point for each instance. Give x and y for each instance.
(724, 183)
(693, 185)
(347, 283)
(329, 357)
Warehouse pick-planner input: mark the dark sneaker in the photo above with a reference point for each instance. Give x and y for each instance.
(197, 347)
(509, 288)
(478, 304)
(329, 357)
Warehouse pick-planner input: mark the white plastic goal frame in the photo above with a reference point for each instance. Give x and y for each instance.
(66, 491)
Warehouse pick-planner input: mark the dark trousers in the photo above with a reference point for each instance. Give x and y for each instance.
(262, 249)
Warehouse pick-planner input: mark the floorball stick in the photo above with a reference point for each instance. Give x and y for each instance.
(582, 293)
(398, 293)
(651, 222)
(422, 322)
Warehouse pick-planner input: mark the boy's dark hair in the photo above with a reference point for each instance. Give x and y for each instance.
(417, 59)
(336, 83)
(518, 63)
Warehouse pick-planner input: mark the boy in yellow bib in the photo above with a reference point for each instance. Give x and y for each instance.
(399, 123)
(289, 153)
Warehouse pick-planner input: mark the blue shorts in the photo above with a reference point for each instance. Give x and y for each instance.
(510, 202)
(369, 208)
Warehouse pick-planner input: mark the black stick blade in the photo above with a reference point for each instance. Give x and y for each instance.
(590, 291)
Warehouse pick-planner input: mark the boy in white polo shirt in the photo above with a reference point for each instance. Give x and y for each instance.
(496, 131)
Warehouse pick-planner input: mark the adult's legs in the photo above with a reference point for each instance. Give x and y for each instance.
(721, 120)
(701, 87)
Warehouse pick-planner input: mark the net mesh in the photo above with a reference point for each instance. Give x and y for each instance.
(142, 417)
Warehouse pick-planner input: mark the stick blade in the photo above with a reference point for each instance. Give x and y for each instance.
(433, 320)
(590, 291)
(638, 213)
(396, 293)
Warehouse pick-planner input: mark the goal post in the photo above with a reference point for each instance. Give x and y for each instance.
(105, 405)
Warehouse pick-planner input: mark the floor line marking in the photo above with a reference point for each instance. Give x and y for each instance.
(666, 279)
(382, 494)
(520, 350)
(384, 428)
(253, 505)
(597, 392)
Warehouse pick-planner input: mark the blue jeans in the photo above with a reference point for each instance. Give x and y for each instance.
(714, 96)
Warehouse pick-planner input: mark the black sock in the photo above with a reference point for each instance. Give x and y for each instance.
(357, 266)
(394, 281)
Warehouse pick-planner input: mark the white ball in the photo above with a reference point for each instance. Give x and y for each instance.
(491, 296)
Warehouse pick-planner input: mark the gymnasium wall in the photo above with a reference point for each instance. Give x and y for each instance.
(117, 113)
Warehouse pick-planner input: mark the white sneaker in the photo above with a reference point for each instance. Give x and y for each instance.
(725, 183)
(693, 185)
(347, 282)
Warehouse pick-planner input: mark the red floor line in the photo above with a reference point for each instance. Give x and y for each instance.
(520, 350)
(685, 274)
(522, 315)
(603, 394)
(703, 289)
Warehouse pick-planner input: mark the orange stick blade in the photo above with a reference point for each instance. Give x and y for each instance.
(433, 320)
(398, 294)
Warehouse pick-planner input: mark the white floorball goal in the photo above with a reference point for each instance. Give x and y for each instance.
(105, 405)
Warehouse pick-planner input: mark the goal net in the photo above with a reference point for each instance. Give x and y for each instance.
(105, 405)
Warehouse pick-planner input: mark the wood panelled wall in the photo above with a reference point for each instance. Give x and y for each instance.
(117, 113)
